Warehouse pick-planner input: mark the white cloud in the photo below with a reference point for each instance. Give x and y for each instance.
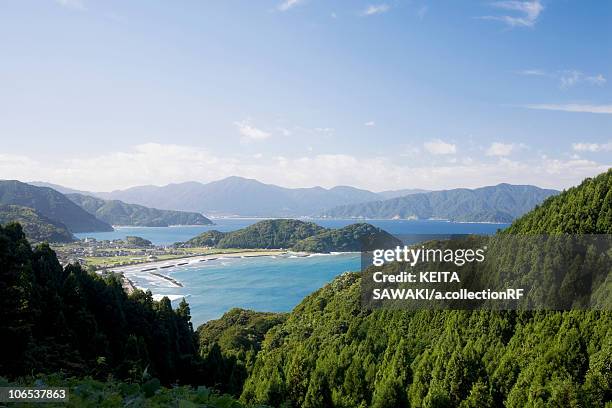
(422, 12)
(161, 164)
(439, 147)
(500, 149)
(570, 78)
(324, 130)
(533, 72)
(285, 132)
(592, 147)
(373, 9)
(598, 79)
(527, 12)
(72, 4)
(251, 133)
(572, 107)
(370, 123)
(567, 78)
(288, 4)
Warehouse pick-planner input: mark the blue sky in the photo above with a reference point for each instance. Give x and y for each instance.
(387, 94)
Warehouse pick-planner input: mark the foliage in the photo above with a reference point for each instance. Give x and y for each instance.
(205, 239)
(137, 242)
(37, 227)
(65, 319)
(354, 237)
(230, 344)
(332, 352)
(88, 392)
(501, 203)
(298, 236)
(586, 209)
(117, 212)
(270, 234)
(51, 204)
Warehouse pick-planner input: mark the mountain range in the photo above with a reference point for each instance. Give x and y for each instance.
(51, 204)
(36, 226)
(48, 215)
(237, 196)
(117, 212)
(241, 197)
(500, 203)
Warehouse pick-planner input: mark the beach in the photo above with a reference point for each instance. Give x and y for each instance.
(156, 268)
(169, 263)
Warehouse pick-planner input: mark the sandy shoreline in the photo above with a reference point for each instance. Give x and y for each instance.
(156, 266)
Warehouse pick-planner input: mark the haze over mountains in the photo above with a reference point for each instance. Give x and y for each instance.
(51, 204)
(49, 215)
(117, 212)
(237, 196)
(500, 203)
(241, 196)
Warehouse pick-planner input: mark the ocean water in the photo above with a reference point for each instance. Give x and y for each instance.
(272, 284)
(170, 235)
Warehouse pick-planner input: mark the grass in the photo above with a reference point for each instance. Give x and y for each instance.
(115, 261)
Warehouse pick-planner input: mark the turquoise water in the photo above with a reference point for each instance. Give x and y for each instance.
(170, 235)
(273, 284)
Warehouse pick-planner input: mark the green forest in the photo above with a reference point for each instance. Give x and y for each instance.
(298, 236)
(68, 326)
(36, 226)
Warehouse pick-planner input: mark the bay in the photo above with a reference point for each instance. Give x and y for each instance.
(271, 283)
(170, 235)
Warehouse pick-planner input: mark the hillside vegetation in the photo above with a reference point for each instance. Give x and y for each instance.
(117, 212)
(230, 345)
(500, 203)
(585, 209)
(52, 205)
(67, 327)
(331, 352)
(296, 235)
(36, 227)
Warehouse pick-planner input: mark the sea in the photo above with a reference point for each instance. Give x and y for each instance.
(271, 283)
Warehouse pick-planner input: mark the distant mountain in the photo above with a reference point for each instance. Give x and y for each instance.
(241, 196)
(117, 212)
(37, 227)
(500, 203)
(386, 195)
(57, 187)
(51, 204)
(297, 235)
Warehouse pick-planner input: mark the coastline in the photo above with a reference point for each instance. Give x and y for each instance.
(170, 263)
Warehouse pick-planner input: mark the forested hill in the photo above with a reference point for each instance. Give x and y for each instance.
(50, 204)
(54, 319)
(586, 209)
(65, 327)
(330, 352)
(296, 235)
(37, 227)
(117, 212)
(500, 203)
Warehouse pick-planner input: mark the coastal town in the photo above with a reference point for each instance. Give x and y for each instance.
(135, 254)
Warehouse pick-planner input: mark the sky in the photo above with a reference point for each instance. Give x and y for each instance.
(104, 95)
